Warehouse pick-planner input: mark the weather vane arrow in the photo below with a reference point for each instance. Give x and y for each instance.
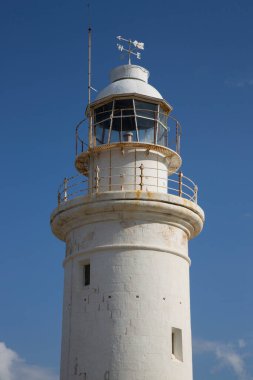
(132, 47)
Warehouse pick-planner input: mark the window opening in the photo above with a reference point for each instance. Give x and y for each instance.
(173, 343)
(86, 274)
(177, 344)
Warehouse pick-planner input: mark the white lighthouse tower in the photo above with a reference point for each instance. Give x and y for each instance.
(126, 220)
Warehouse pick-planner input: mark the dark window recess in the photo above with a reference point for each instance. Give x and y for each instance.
(173, 343)
(177, 344)
(103, 112)
(124, 107)
(86, 274)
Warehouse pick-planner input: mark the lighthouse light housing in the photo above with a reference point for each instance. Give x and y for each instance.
(130, 120)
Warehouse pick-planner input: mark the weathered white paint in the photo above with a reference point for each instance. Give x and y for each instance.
(129, 71)
(119, 327)
(122, 167)
(127, 79)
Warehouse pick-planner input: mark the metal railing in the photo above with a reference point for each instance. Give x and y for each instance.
(101, 134)
(72, 187)
(142, 179)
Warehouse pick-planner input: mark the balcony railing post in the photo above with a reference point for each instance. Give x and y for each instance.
(196, 194)
(59, 198)
(180, 183)
(65, 189)
(76, 141)
(177, 137)
(141, 176)
(97, 179)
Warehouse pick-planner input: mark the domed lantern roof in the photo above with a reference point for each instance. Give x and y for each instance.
(129, 79)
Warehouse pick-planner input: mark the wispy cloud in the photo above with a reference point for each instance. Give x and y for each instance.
(247, 215)
(12, 367)
(239, 83)
(241, 343)
(227, 355)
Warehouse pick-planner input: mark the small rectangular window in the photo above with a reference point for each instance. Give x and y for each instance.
(86, 274)
(173, 343)
(177, 344)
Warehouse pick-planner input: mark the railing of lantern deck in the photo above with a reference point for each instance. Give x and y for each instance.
(171, 127)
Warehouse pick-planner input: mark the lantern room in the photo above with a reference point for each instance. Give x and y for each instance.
(130, 110)
(130, 119)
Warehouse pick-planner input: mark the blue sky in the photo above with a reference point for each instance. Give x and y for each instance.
(200, 57)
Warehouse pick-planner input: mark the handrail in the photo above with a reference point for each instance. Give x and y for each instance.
(78, 139)
(173, 131)
(177, 183)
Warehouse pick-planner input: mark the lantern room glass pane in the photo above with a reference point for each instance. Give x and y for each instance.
(102, 121)
(123, 125)
(146, 130)
(162, 135)
(146, 120)
(103, 112)
(102, 132)
(146, 109)
(123, 129)
(123, 107)
(163, 117)
(115, 136)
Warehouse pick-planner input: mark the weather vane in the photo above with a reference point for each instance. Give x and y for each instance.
(132, 47)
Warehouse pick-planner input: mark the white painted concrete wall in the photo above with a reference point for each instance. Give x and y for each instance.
(119, 327)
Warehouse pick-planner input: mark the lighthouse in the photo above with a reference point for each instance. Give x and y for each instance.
(126, 219)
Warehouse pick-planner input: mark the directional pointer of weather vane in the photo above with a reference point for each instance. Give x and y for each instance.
(132, 46)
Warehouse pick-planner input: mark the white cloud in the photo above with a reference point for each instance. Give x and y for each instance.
(7, 358)
(239, 83)
(226, 354)
(247, 215)
(241, 343)
(12, 367)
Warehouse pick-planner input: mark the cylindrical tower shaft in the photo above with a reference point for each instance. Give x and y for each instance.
(130, 319)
